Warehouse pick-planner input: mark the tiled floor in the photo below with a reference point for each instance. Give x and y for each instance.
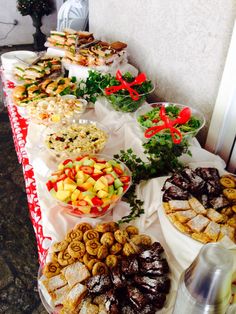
(18, 251)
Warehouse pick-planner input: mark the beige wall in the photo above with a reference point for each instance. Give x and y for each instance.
(181, 45)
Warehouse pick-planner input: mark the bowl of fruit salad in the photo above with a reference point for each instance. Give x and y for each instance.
(148, 116)
(89, 185)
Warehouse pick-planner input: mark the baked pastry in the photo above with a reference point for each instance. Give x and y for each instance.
(111, 261)
(74, 297)
(102, 252)
(59, 246)
(92, 247)
(76, 249)
(103, 227)
(84, 226)
(99, 268)
(115, 248)
(197, 206)
(87, 258)
(129, 249)
(91, 263)
(74, 234)
(198, 223)
(64, 258)
(90, 235)
(55, 282)
(121, 236)
(230, 193)
(132, 230)
(51, 269)
(107, 239)
(227, 181)
(212, 230)
(141, 240)
(75, 273)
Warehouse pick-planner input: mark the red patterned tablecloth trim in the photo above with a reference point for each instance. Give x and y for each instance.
(19, 127)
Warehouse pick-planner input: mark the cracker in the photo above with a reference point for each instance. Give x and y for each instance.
(200, 237)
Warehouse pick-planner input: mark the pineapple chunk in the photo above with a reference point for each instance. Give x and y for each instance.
(75, 195)
(63, 195)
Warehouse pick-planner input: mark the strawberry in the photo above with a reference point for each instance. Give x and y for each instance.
(118, 171)
(87, 169)
(96, 176)
(124, 179)
(110, 179)
(96, 201)
(49, 185)
(66, 161)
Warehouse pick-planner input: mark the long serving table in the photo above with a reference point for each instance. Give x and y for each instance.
(51, 223)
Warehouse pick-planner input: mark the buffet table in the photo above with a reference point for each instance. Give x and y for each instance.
(51, 223)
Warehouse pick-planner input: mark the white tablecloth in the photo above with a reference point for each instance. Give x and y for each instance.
(124, 134)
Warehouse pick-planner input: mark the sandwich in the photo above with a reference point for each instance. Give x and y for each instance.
(34, 72)
(19, 71)
(57, 39)
(19, 93)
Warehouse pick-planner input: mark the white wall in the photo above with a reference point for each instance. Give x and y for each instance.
(181, 45)
(22, 33)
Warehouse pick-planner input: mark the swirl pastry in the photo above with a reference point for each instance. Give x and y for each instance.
(84, 226)
(65, 259)
(129, 249)
(90, 235)
(141, 240)
(76, 249)
(103, 227)
(111, 261)
(51, 269)
(121, 236)
(99, 269)
(107, 239)
(115, 248)
(74, 234)
(54, 256)
(113, 226)
(87, 258)
(132, 230)
(92, 247)
(59, 246)
(102, 252)
(92, 263)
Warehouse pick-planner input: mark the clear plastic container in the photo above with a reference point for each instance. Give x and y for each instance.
(81, 144)
(95, 210)
(205, 287)
(143, 110)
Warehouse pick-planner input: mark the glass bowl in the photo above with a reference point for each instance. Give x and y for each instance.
(154, 120)
(125, 103)
(89, 185)
(57, 110)
(83, 136)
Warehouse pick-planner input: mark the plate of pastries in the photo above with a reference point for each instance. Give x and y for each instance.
(92, 268)
(201, 203)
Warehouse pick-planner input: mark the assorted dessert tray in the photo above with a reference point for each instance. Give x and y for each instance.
(92, 269)
(97, 264)
(201, 203)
